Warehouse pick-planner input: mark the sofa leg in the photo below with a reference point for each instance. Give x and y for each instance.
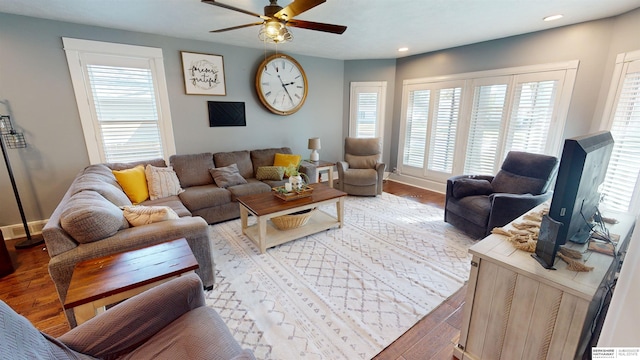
(207, 288)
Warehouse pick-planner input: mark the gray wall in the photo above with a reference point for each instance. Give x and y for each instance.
(36, 90)
(594, 44)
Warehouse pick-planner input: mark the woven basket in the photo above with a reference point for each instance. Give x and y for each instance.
(292, 221)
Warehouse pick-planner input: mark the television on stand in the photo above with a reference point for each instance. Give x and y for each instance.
(573, 213)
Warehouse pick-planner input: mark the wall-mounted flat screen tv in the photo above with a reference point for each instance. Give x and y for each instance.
(226, 113)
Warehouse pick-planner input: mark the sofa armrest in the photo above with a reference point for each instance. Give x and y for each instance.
(507, 207)
(309, 170)
(130, 323)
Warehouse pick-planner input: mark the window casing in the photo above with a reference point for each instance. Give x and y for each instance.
(122, 99)
(493, 113)
(367, 107)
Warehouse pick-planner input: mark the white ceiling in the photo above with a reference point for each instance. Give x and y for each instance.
(375, 28)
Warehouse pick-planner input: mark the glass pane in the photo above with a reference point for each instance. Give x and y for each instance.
(126, 110)
(367, 115)
(485, 128)
(531, 116)
(443, 133)
(416, 132)
(624, 166)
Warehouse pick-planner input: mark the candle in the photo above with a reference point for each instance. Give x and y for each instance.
(287, 186)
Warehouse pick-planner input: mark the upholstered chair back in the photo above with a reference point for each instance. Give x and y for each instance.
(362, 153)
(525, 173)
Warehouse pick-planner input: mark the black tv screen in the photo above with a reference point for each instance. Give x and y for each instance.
(226, 113)
(576, 195)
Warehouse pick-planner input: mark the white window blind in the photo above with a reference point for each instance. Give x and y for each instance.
(531, 116)
(443, 132)
(366, 119)
(485, 130)
(126, 112)
(122, 99)
(624, 166)
(415, 143)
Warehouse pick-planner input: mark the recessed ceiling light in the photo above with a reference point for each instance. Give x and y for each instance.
(552, 17)
(403, 49)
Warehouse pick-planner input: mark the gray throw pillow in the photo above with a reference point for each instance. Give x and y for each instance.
(469, 187)
(227, 176)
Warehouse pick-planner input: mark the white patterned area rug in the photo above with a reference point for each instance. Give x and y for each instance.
(343, 293)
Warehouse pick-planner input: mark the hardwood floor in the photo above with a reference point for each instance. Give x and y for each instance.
(30, 291)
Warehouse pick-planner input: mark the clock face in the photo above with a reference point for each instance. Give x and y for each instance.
(281, 84)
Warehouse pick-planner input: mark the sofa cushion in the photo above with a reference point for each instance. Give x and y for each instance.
(102, 172)
(162, 182)
(265, 157)
(361, 162)
(204, 196)
(270, 173)
(138, 215)
(507, 182)
(361, 177)
(286, 160)
(134, 183)
(468, 187)
(96, 182)
(475, 209)
(171, 201)
(227, 176)
(242, 159)
(252, 186)
(193, 169)
(89, 217)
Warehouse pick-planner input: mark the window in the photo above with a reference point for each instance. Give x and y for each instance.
(366, 119)
(122, 100)
(468, 124)
(622, 118)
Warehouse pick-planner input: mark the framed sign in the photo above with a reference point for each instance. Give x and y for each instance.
(203, 74)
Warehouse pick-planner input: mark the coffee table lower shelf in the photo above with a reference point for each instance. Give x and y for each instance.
(265, 234)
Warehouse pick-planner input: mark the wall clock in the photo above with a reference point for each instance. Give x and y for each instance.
(281, 84)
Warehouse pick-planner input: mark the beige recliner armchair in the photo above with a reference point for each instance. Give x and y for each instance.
(362, 171)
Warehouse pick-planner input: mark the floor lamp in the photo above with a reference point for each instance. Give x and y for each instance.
(9, 138)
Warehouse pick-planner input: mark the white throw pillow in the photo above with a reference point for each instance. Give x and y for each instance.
(142, 215)
(162, 182)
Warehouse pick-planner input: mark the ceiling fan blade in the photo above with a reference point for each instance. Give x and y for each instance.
(296, 8)
(214, 3)
(236, 27)
(336, 29)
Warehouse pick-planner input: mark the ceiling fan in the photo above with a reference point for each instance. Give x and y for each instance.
(276, 19)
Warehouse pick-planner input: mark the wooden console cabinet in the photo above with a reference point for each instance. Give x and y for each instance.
(516, 309)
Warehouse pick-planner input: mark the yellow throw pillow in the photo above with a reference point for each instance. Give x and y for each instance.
(134, 183)
(285, 160)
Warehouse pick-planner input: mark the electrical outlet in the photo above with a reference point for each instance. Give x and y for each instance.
(395, 170)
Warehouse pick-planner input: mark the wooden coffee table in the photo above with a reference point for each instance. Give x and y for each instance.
(97, 283)
(266, 206)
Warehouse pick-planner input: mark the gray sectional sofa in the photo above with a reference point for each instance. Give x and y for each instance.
(89, 222)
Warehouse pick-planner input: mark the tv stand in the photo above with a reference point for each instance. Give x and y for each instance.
(516, 309)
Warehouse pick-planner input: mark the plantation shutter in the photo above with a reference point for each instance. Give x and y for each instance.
(624, 166)
(487, 118)
(416, 128)
(367, 115)
(126, 112)
(531, 116)
(443, 132)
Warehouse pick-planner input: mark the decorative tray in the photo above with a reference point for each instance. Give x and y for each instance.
(281, 193)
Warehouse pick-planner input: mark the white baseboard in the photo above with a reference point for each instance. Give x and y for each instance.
(16, 231)
(422, 183)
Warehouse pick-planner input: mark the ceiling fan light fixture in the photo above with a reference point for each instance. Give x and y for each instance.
(273, 31)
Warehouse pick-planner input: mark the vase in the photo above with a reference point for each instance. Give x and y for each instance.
(296, 182)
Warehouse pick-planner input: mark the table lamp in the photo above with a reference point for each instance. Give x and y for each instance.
(314, 146)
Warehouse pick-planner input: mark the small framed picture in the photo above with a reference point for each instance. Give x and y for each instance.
(203, 74)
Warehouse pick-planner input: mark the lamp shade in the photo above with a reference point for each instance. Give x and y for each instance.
(314, 145)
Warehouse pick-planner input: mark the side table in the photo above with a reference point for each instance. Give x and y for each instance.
(322, 166)
(6, 267)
